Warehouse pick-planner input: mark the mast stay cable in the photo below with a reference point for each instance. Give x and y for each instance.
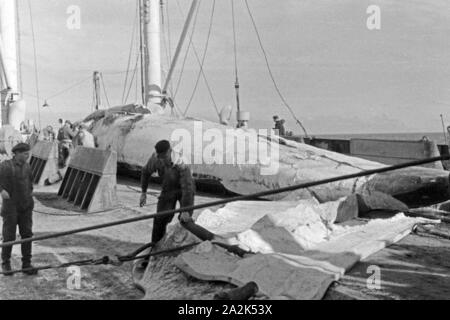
(211, 20)
(19, 46)
(236, 70)
(104, 90)
(69, 88)
(36, 75)
(277, 89)
(191, 44)
(131, 80)
(133, 32)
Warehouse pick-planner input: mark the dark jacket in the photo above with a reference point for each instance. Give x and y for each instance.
(17, 180)
(66, 133)
(279, 125)
(175, 180)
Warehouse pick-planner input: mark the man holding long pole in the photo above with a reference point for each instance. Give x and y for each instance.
(177, 186)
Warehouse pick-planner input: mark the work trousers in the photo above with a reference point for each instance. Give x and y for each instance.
(11, 219)
(165, 203)
(64, 151)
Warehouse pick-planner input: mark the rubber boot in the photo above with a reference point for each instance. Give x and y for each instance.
(29, 270)
(6, 269)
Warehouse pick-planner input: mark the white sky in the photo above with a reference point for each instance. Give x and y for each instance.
(338, 76)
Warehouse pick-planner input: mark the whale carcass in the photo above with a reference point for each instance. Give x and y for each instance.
(132, 131)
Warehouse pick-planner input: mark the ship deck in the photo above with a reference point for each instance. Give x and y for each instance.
(415, 268)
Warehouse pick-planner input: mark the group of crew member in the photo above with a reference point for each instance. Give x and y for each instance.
(16, 189)
(70, 136)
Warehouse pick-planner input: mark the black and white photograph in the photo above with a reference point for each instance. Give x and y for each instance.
(224, 154)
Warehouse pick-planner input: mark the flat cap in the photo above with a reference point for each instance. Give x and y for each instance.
(21, 147)
(162, 146)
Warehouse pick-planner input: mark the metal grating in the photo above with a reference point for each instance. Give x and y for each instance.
(37, 168)
(78, 187)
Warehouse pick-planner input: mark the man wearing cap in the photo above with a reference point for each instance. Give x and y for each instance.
(177, 185)
(16, 189)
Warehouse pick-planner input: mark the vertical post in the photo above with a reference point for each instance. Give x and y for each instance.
(152, 34)
(98, 101)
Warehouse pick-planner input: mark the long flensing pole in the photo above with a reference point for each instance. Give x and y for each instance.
(233, 199)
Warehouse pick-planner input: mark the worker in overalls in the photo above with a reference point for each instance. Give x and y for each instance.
(177, 186)
(16, 189)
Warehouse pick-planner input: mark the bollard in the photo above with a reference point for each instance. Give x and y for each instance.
(90, 182)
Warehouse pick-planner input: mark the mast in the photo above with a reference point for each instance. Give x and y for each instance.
(9, 65)
(141, 51)
(152, 50)
(97, 96)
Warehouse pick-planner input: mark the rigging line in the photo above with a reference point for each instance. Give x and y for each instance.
(141, 51)
(234, 40)
(206, 81)
(28, 94)
(104, 90)
(169, 38)
(19, 46)
(69, 88)
(132, 79)
(211, 20)
(191, 44)
(178, 111)
(236, 70)
(168, 30)
(116, 72)
(35, 63)
(133, 32)
(137, 39)
(277, 89)
(194, 24)
(164, 40)
(136, 93)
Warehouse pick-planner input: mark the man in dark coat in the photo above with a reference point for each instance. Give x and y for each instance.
(177, 186)
(16, 189)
